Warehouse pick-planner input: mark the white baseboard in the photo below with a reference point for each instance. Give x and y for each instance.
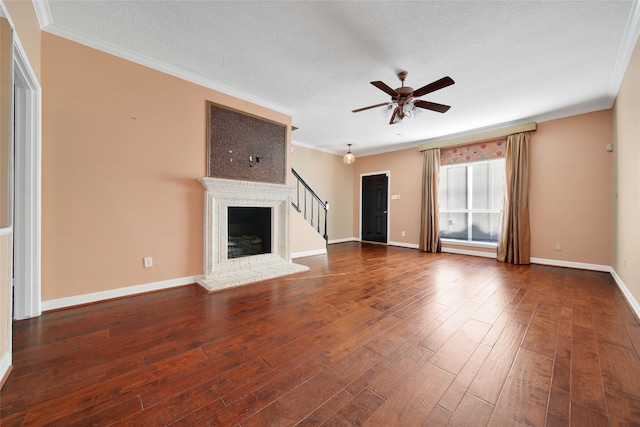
(308, 253)
(472, 253)
(5, 365)
(571, 264)
(633, 303)
(343, 240)
(117, 293)
(405, 245)
(5, 362)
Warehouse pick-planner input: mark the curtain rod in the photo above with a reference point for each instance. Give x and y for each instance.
(480, 136)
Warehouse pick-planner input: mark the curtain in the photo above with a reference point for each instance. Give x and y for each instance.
(429, 226)
(515, 237)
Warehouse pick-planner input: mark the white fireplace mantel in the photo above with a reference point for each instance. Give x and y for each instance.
(222, 272)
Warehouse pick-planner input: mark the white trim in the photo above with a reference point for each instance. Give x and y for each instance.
(329, 150)
(631, 33)
(472, 253)
(487, 245)
(477, 136)
(5, 364)
(571, 264)
(5, 13)
(575, 110)
(163, 67)
(541, 261)
(118, 293)
(344, 240)
(6, 231)
(388, 174)
(405, 245)
(27, 207)
(308, 253)
(43, 13)
(633, 303)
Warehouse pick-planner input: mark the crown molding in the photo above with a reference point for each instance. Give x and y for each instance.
(43, 13)
(479, 136)
(631, 34)
(599, 105)
(327, 150)
(154, 64)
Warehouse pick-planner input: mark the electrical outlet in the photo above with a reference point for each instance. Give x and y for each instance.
(147, 261)
(402, 233)
(557, 246)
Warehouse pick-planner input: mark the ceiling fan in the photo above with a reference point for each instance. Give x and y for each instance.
(404, 99)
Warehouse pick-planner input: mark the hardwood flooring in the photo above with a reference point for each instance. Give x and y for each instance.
(372, 335)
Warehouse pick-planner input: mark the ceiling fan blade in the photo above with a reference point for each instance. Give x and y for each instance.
(394, 117)
(369, 107)
(432, 87)
(383, 87)
(440, 108)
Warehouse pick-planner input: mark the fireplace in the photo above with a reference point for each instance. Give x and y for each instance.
(249, 231)
(250, 209)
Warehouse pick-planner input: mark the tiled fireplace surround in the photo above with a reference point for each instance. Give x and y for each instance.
(222, 272)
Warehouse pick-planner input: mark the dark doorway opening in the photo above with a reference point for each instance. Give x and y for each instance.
(249, 231)
(374, 208)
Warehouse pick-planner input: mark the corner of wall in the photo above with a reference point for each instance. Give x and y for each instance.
(631, 300)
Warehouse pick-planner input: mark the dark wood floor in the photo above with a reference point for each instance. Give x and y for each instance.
(372, 335)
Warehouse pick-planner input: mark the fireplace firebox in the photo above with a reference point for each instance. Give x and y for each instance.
(249, 231)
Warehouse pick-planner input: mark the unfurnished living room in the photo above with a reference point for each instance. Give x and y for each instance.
(279, 213)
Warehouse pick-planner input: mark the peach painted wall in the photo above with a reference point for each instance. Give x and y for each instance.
(123, 148)
(570, 190)
(626, 196)
(304, 238)
(26, 25)
(332, 180)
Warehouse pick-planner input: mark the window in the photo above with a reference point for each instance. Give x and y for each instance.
(470, 201)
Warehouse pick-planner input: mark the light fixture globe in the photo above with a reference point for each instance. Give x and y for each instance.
(349, 158)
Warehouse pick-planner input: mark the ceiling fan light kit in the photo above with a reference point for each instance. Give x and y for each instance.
(349, 158)
(404, 102)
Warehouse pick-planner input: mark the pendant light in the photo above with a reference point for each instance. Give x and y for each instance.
(349, 158)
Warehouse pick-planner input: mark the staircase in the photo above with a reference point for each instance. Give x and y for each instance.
(309, 205)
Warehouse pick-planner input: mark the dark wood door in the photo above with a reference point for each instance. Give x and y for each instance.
(374, 208)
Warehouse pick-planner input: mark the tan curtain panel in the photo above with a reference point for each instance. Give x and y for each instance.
(515, 236)
(429, 226)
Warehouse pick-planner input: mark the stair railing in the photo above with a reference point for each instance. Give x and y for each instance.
(309, 204)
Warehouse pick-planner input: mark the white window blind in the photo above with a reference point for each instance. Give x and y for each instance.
(470, 200)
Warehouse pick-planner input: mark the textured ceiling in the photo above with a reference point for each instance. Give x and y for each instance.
(512, 61)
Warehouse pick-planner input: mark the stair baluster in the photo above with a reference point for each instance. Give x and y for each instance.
(318, 207)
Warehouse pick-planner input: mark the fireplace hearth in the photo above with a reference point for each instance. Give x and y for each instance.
(246, 208)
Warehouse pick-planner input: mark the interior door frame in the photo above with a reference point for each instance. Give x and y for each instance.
(28, 187)
(388, 174)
